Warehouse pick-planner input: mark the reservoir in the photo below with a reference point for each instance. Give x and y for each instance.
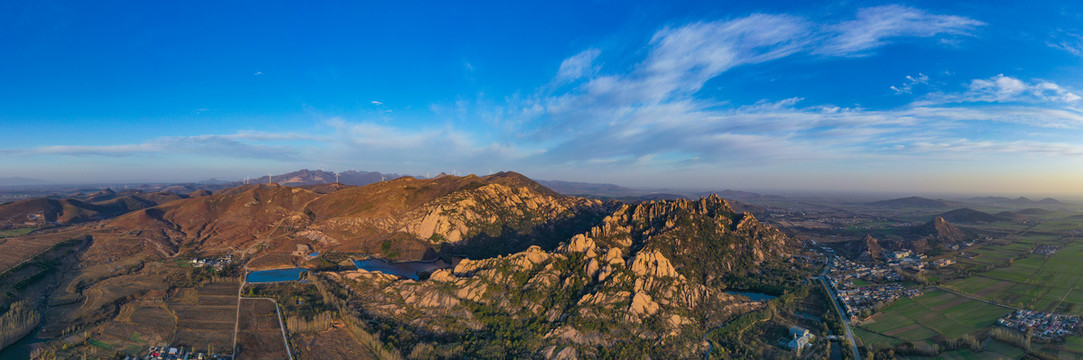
(407, 269)
(755, 296)
(268, 276)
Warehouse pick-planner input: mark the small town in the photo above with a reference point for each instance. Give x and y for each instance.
(1043, 325)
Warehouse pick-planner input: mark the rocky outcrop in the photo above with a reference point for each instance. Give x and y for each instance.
(639, 274)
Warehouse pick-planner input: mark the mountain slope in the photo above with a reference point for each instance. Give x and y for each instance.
(970, 216)
(643, 281)
(403, 218)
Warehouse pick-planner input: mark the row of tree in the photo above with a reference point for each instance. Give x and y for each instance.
(20, 319)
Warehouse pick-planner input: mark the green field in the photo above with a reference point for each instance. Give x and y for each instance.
(994, 350)
(937, 312)
(15, 232)
(1036, 282)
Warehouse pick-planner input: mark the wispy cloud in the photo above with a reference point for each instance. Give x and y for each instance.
(230, 146)
(1072, 43)
(577, 66)
(649, 115)
(876, 26)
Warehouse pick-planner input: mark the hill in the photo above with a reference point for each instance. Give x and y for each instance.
(532, 272)
(1033, 211)
(65, 211)
(405, 218)
(648, 280)
(913, 202)
(939, 234)
(970, 216)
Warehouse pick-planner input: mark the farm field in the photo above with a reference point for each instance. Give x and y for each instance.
(191, 317)
(206, 320)
(260, 334)
(1044, 283)
(937, 312)
(994, 350)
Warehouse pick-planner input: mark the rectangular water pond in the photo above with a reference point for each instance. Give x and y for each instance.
(268, 276)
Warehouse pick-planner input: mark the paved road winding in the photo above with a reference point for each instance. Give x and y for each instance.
(845, 322)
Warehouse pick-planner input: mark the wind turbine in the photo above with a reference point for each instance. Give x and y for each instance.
(336, 177)
(268, 178)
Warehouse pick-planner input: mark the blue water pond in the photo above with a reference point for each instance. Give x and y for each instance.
(268, 276)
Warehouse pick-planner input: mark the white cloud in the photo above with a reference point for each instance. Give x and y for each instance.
(578, 66)
(240, 145)
(1006, 89)
(908, 86)
(377, 103)
(875, 26)
(1072, 43)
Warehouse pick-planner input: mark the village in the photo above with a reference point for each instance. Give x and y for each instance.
(865, 288)
(168, 352)
(217, 263)
(1042, 325)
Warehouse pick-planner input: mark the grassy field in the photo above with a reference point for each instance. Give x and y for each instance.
(937, 312)
(994, 350)
(15, 232)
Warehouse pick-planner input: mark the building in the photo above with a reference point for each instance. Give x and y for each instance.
(943, 262)
(799, 338)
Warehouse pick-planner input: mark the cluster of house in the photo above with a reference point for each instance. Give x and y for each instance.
(844, 272)
(217, 263)
(942, 262)
(872, 297)
(906, 259)
(1046, 250)
(963, 245)
(886, 288)
(177, 353)
(1044, 325)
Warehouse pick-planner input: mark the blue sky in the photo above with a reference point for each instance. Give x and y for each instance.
(871, 96)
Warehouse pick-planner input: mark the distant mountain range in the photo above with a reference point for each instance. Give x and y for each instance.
(921, 202)
(1019, 201)
(914, 202)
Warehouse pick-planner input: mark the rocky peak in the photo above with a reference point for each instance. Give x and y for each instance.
(653, 263)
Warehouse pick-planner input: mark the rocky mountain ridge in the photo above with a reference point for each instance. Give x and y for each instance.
(622, 279)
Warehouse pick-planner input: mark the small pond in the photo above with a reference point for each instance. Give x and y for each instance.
(755, 296)
(408, 269)
(267, 276)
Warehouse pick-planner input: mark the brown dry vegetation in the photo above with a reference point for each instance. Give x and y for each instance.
(260, 336)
